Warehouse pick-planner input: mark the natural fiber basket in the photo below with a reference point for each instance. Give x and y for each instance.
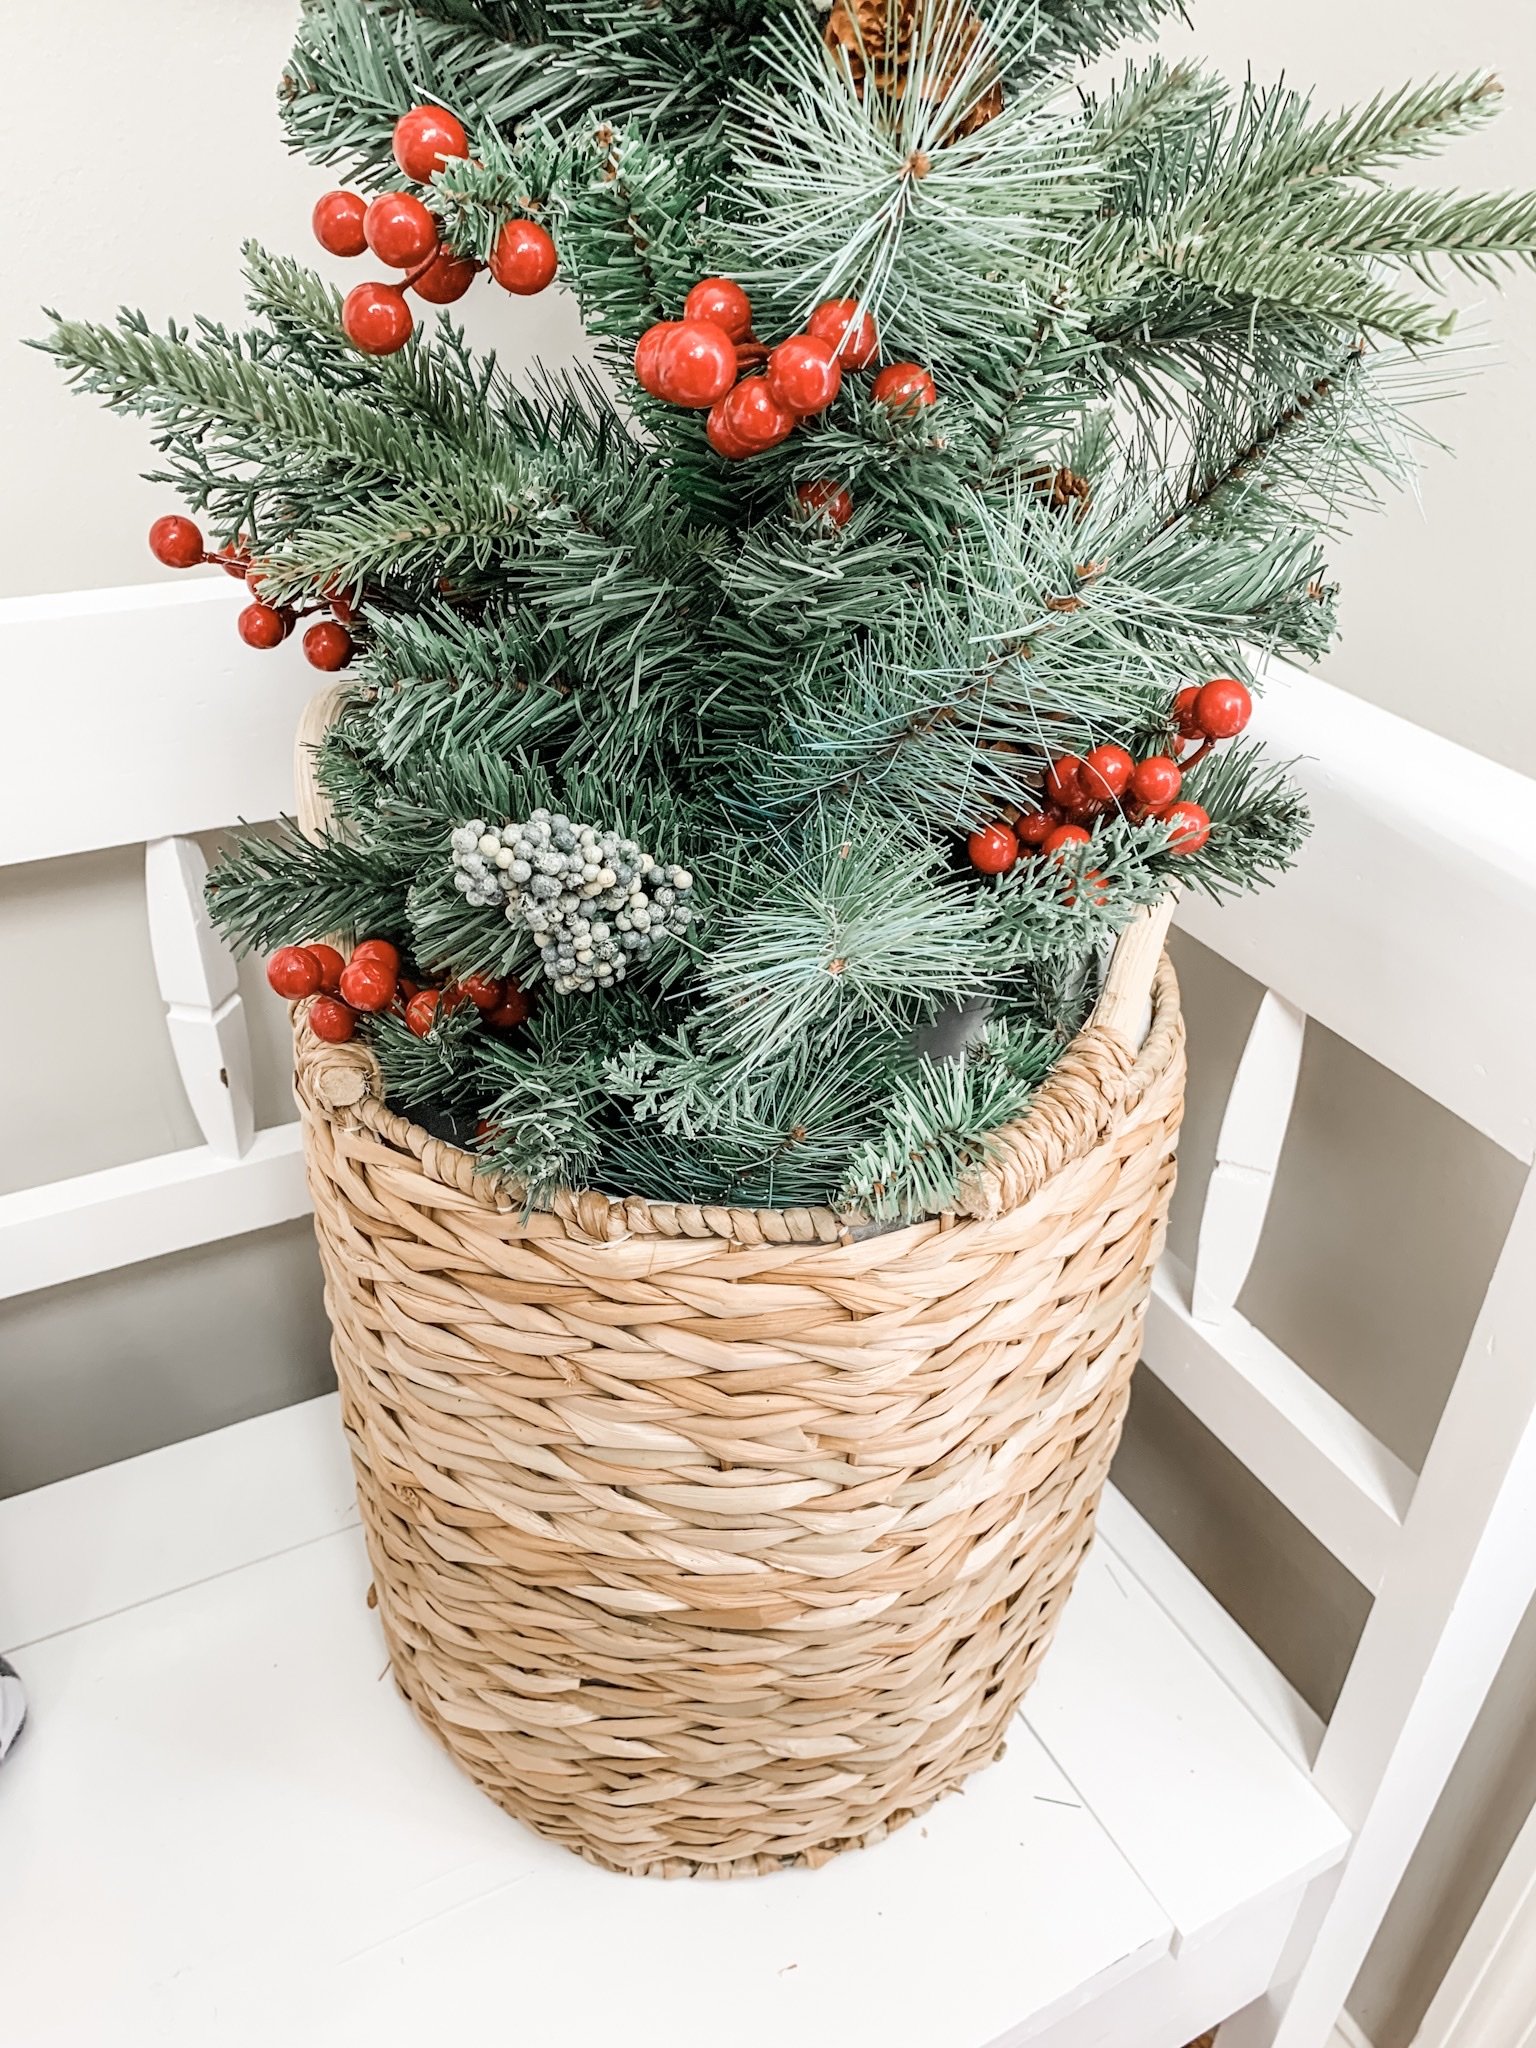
(708, 1540)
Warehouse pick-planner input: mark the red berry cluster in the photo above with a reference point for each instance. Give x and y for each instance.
(400, 231)
(1080, 789)
(178, 543)
(755, 395)
(371, 981)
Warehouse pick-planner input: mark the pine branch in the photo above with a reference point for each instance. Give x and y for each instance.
(1081, 30)
(565, 599)
(355, 68)
(1474, 232)
(281, 890)
(942, 1120)
(1266, 442)
(947, 237)
(437, 1071)
(842, 918)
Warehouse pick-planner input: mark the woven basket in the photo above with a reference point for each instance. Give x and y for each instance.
(709, 1540)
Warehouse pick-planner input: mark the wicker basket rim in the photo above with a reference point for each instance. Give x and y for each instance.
(1097, 1081)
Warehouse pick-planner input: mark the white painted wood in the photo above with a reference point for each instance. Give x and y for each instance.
(128, 1533)
(1312, 1454)
(1488, 1996)
(99, 1221)
(320, 1874)
(1365, 934)
(224, 1789)
(1178, 1998)
(199, 983)
(1455, 1591)
(1210, 1813)
(1201, 1619)
(1248, 1149)
(194, 967)
(171, 724)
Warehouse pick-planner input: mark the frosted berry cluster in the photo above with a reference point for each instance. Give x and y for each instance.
(592, 901)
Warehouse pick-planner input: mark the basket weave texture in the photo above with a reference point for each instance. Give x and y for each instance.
(708, 1540)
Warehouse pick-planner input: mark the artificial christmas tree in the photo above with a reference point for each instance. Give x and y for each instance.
(738, 1177)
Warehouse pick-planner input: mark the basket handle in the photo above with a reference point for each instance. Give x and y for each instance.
(1125, 1001)
(310, 805)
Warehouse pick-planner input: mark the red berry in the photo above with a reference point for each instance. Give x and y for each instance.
(512, 1010)
(400, 230)
(332, 1020)
(376, 319)
(327, 645)
(1184, 711)
(446, 278)
(176, 541)
(382, 950)
(1222, 708)
(695, 364)
(425, 139)
(719, 300)
(421, 1011)
(330, 964)
(720, 434)
(647, 350)
(849, 329)
(824, 501)
(1065, 835)
(234, 558)
(993, 850)
(1062, 786)
(751, 415)
(368, 984)
(262, 625)
(1155, 781)
(338, 223)
(1035, 827)
(523, 260)
(484, 990)
(1106, 773)
(1192, 827)
(294, 972)
(804, 374)
(905, 387)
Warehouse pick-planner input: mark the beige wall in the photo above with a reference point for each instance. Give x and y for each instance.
(1388, 1213)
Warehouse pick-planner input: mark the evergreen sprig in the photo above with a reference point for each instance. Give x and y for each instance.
(1181, 334)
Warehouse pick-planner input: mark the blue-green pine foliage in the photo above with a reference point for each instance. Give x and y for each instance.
(1179, 332)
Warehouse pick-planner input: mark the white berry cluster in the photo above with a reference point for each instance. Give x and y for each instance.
(592, 900)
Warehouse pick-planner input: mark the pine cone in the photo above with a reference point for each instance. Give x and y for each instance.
(1067, 491)
(862, 31)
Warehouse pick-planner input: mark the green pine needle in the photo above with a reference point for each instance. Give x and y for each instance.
(1181, 333)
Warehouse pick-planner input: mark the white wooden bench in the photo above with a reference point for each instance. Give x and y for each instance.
(222, 1825)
